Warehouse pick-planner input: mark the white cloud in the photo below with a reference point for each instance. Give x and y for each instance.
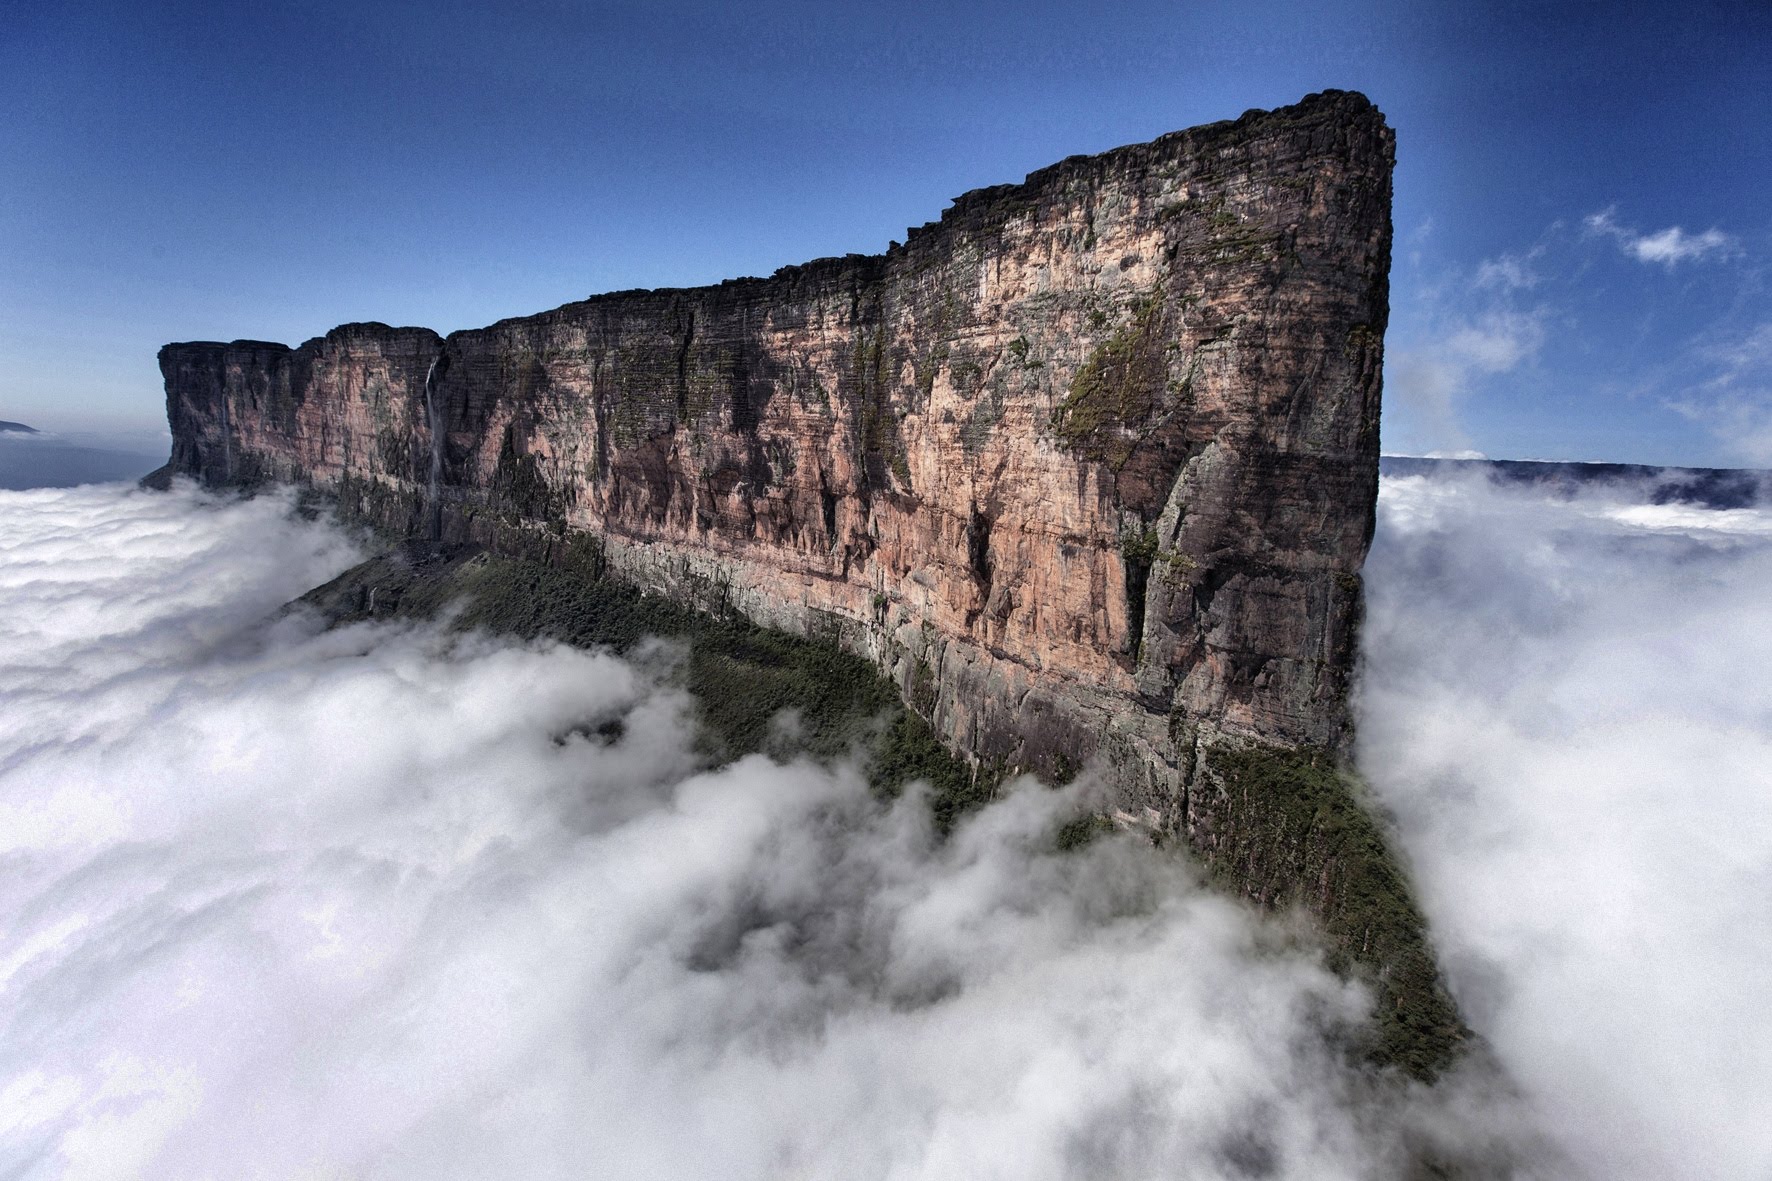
(1509, 272)
(1415, 240)
(1741, 421)
(1674, 245)
(365, 902)
(1433, 377)
(1565, 704)
(289, 902)
(1497, 341)
(1734, 399)
(1668, 247)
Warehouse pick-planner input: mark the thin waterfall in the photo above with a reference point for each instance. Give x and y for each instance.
(227, 443)
(434, 419)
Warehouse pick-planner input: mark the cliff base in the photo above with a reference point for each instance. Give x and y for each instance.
(1279, 828)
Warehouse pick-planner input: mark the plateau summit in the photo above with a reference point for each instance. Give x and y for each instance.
(1086, 469)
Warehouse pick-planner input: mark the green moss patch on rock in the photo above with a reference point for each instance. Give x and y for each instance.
(1082, 831)
(1116, 391)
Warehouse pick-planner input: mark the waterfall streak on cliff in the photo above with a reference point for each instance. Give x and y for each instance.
(434, 422)
(227, 437)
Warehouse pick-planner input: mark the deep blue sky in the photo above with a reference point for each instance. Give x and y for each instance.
(1583, 229)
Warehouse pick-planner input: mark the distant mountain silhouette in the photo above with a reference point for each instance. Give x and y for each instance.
(1718, 488)
(30, 458)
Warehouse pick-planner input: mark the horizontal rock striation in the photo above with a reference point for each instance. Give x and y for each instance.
(1086, 467)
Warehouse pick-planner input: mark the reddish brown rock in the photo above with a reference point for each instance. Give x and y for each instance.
(1087, 466)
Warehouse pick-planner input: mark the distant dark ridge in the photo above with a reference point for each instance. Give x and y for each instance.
(30, 458)
(1712, 487)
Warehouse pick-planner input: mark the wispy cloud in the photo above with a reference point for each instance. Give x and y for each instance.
(1509, 272)
(1434, 376)
(1734, 400)
(1498, 340)
(1668, 247)
(1475, 346)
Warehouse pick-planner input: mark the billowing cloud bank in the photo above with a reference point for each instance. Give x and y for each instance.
(1569, 706)
(382, 902)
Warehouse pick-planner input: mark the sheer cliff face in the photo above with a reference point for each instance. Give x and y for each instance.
(1089, 465)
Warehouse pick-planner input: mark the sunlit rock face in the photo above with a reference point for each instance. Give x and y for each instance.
(1087, 466)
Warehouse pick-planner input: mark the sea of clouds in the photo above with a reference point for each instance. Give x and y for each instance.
(1568, 705)
(388, 902)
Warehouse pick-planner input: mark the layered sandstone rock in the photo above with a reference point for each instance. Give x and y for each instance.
(1087, 467)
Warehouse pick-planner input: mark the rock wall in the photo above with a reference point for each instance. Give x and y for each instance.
(1087, 467)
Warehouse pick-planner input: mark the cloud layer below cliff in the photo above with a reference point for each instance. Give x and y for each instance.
(1569, 706)
(384, 902)
(381, 902)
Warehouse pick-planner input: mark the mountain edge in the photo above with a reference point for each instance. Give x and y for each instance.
(1086, 470)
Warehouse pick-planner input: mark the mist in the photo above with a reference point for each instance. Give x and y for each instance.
(390, 901)
(386, 901)
(1568, 705)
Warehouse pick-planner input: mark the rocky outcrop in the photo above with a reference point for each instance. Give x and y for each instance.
(1087, 466)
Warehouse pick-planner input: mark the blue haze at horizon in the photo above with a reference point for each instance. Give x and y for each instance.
(186, 171)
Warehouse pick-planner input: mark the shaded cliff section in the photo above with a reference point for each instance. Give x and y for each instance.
(1087, 468)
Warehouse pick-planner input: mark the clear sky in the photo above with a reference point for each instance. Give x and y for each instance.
(1583, 231)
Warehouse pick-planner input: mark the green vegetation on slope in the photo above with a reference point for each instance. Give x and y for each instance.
(742, 676)
(1292, 828)
(1287, 827)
